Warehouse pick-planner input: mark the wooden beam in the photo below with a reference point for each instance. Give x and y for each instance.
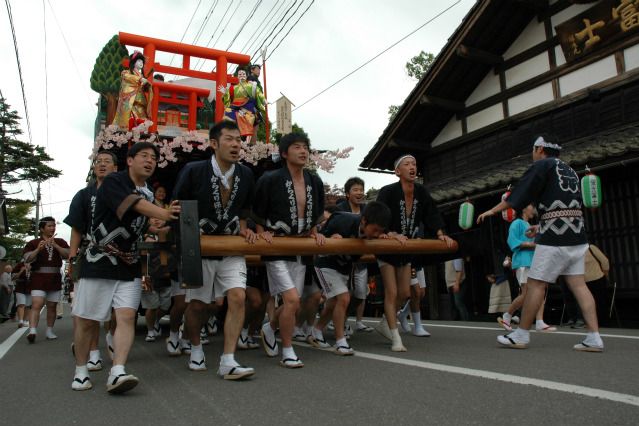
(446, 104)
(554, 9)
(478, 55)
(223, 245)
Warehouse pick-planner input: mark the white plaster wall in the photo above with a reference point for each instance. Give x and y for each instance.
(533, 34)
(485, 117)
(452, 130)
(588, 75)
(559, 55)
(568, 13)
(631, 57)
(489, 86)
(527, 70)
(530, 99)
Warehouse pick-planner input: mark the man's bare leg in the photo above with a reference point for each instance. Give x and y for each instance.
(577, 284)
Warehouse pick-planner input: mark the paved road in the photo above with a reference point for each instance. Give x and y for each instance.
(457, 376)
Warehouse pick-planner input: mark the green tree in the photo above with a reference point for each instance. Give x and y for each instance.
(105, 78)
(19, 161)
(371, 194)
(418, 65)
(20, 227)
(276, 137)
(415, 68)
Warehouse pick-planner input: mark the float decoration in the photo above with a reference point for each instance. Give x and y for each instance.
(113, 138)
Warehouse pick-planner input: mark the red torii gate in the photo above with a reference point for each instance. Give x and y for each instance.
(222, 59)
(160, 87)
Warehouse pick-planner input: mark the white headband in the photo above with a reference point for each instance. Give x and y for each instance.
(542, 142)
(399, 160)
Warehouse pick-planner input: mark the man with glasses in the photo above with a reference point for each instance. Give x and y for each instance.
(110, 275)
(79, 219)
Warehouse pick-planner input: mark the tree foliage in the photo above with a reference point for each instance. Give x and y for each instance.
(20, 161)
(21, 227)
(105, 77)
(415, 68)
(276, 137)
(418, 65)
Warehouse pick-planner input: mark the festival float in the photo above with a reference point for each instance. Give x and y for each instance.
(137, 104)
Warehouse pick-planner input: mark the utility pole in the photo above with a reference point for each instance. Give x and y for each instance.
(37, 212)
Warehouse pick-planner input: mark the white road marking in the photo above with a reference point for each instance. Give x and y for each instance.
(491, 375)
(496, 328)
(11, 340)
(546, 384)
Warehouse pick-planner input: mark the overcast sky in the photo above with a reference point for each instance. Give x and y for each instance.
(333, 38)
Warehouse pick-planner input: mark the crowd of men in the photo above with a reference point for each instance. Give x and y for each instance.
(118, 209)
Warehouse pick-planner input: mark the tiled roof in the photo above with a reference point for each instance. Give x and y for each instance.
(591, 150)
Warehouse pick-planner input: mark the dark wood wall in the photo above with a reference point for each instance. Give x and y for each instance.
(614, 227)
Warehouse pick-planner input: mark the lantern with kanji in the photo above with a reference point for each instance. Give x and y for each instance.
(466, 215)
(591, 190)
(509, 214)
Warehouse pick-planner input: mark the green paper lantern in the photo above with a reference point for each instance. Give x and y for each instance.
(591, 191)
(466, 215)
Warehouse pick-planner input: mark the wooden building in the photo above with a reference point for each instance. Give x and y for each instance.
(512, 70)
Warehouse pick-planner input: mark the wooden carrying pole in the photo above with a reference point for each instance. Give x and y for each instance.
(295, 246)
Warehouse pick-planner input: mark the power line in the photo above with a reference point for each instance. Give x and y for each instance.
(54, 202)
(266, 22)
(379, 54)
(275, 27)
(257, 5)
(15, 46)
(66, 44)
(206, 20)
(263, 23)
(46, 75)
(201, 61)
(187, 28)
(291, 28)
(225, 25)
(46, 84)
(223, 29)
(283, 26)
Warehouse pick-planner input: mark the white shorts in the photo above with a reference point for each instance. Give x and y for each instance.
(360, 282)
(23, 299)
(550, 262)
(51, 296)
(94, 297)
(284, 275)
(158, 298)
(332, 282)
(522, 275)
(218, 277)
(176, 290)
(420, 278)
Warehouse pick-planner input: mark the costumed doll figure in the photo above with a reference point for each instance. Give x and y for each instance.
(134, 100)
(244, 103)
